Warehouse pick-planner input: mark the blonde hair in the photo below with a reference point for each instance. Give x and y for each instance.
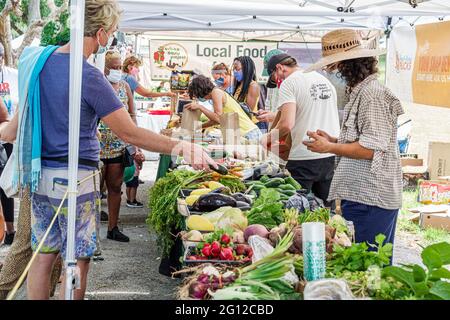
(111, 55)
(131, 61)
(222, 66)
(100, 14)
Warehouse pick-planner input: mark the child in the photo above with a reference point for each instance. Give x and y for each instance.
(133, 184)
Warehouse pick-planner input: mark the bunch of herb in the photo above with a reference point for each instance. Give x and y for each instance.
(358, 258)
(163, 216)
(267, 209)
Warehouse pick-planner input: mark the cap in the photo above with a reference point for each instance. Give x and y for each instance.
(274, 60)
(267, 57)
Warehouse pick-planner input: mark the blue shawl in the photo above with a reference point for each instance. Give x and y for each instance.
(29, 135)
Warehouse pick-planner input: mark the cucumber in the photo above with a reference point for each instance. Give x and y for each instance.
(258, 186)
(264, 179)
(292, 182)
(275, 182)
(288, 193)
(287, 187)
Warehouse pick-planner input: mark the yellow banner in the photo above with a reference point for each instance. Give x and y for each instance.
(431, 73)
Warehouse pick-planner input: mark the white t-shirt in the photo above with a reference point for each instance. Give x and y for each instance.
(9, 89)
(315, 98)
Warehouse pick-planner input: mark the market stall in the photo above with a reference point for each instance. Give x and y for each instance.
(254, 233)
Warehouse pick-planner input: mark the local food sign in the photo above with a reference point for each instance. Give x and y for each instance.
(418, 63)
(201, 56)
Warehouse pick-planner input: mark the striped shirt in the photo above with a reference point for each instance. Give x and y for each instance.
(370, 117)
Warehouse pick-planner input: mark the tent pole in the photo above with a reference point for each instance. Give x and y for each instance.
(76, 70)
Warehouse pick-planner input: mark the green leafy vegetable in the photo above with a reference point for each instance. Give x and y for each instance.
(163, 216)
(267, 209)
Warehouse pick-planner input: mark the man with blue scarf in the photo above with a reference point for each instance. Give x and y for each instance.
(42, 144)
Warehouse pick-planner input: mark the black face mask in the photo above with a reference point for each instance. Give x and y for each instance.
(271, 83)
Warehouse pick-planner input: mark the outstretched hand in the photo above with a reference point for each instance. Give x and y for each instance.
(319, 144)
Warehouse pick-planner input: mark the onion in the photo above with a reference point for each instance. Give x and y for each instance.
(198, 290)
(256, 229)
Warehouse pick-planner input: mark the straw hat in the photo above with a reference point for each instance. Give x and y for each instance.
(340, 45)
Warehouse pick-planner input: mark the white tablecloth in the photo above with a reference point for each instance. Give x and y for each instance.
(154, 123)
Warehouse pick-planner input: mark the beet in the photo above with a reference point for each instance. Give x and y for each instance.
(256, 229)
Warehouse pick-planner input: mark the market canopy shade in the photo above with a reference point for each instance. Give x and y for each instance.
(261, 15)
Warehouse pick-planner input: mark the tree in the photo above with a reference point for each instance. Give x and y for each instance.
(29, 18)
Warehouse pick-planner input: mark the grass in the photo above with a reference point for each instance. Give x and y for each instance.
(429, 235)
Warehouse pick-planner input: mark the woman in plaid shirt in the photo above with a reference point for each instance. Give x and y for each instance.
(368, 176)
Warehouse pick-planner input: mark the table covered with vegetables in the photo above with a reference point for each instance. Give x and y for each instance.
(250, 233)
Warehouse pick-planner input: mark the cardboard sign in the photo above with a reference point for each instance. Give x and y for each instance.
(438, 159)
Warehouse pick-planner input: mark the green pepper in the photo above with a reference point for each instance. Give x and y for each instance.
(275, 182)
(287, 187)
(292, 182)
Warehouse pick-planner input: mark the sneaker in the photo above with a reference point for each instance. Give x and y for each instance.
(116, 235)
(9, 238)
(103, 216)
(134, 204)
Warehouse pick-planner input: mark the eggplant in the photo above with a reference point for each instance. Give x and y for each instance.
(243, 205)
(212, 201)
(242, 197)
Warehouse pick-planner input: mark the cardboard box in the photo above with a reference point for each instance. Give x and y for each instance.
(438, 159)
(434, 192)
(411, 162)
(435, 220)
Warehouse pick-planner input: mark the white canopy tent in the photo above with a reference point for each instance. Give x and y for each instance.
(251, 19)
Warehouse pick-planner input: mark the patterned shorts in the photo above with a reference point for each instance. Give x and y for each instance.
(45, 203)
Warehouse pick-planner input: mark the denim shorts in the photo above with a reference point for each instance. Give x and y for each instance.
(45, 203)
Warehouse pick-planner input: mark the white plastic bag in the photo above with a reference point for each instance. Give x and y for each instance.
(328, 289)
(262, 248)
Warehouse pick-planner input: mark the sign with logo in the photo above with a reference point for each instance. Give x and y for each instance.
(419, 63)
(201, 56)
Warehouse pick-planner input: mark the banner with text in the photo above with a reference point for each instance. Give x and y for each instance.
(418, 63)
(201, 56)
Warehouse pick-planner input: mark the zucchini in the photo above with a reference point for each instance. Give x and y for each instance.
(287, 187)
(258, 186)
(288, 193)
(293, 182)
(275, 182)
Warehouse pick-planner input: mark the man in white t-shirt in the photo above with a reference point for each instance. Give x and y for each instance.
(9, 93)
(306, 102)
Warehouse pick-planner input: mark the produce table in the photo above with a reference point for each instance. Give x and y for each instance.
(155, 123)
(253, 239)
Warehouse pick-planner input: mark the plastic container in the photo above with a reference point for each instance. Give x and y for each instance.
(314, 250)
(189, 249)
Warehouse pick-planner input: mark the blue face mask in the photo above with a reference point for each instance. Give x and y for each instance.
(238, 75)
(220, 82)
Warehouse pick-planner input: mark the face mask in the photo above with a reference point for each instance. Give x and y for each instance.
(102, 49)
(134, 71)
(114, 76)
(238, 75)
(220, 82)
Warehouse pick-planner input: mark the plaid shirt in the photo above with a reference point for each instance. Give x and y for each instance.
(370, 117)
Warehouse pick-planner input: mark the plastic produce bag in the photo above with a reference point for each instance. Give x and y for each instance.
(262, 248)
(328, 289)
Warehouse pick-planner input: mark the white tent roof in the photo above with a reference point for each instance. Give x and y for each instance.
(280, 16)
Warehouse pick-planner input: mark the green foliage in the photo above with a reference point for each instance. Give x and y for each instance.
(267, 209)
(163, 216)
(430, 283)
(358, 258)
(56, 32)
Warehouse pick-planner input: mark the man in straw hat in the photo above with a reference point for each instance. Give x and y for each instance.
(368, 177)
(306, 101)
